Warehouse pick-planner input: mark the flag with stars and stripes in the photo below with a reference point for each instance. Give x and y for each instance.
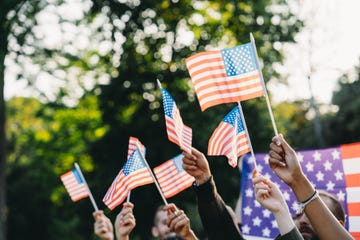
(75, 185)
(133, 143)
(172, 177)
(177, 131)
(335, 170)
(133, 174)
(224, 76)
(229, 138)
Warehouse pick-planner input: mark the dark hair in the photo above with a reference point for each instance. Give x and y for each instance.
(160, 208)
(335, 207)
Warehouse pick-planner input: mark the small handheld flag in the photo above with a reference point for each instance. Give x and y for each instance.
(172, 177)
(76, 185)
(133, 174)
(225, 76)
(177, 131)
(229, 138)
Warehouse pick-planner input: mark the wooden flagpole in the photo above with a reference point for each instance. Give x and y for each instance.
(263, 83)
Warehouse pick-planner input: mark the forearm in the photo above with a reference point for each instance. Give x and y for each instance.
(284, 221)
(119, 237)
(318, 213)
(189, 236)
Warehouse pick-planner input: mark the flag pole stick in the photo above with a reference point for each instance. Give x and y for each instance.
(264, 87)
(87, 187)
(152, 175)
(247, 134)
(128, 197)
(159, 83)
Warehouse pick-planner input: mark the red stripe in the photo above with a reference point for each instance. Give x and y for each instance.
(350, 150)
(352, 180)
(354, 209)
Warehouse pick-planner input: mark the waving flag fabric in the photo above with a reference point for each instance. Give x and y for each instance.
(229, 138)
(172, 177)
(75, 185)
(133, 142)
(335, 170)
(224, 76)
(133, 174)
(176, 130)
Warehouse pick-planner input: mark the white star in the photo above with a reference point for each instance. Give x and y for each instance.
(257, 204)
(317, 156)
(274, 224)
(309, 167)
(267, 176)
(327, 165)
(330, 186)
(341, 196)
(259, 168)
(300, 157)
(247, 211)
(286, 196)
(266, 158)
(320, 176)
(257, 221)
(339, 175)
(294, 206)
(246, 229)
(266, 213)
(266, 232)
(335, 154)
(249, 192)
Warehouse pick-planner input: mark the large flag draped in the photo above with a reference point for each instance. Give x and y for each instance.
(229, 138)
(133, 174)
(224, 76)
(336, 170)
(177, 131)
(172, 177)
(75, 185)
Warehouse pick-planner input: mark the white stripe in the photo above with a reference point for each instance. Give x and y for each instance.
(351, 165)
(228, 95)
(353, 194)
(255, 238)
(221, 80)
(354, 224)
(208, 74)
(199, 58)
(213, 63)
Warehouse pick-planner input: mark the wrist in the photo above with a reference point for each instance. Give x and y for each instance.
(189, 236)
(202, 179)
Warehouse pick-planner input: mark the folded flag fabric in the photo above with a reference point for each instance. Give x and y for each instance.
(75, 185)
(133, 174)
(335, 170)
(133, 143)
(177, 132)
(229, 138)
(172, 177)
(224, 76)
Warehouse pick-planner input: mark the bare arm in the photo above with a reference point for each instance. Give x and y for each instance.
(284, 162)
(125, 222)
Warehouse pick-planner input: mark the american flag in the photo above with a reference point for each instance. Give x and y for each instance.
(229, 138)
(75, 185)
(224, 76)
(172, 177)
(335, 170)
(133, 143)
(176, 130)
(133, 174)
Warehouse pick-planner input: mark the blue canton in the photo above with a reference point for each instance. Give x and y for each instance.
(134, 163)
(178, 162)
(168, 103)
(239, 60)
(230, 118)
(77, 176)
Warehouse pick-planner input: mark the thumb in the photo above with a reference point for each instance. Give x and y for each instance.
(284, 144)
(196, 152)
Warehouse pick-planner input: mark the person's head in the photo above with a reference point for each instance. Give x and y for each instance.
(303, 223)
(160, 230)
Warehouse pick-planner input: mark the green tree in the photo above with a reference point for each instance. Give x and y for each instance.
(45, 142)
(343, 125)
(156, 37)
